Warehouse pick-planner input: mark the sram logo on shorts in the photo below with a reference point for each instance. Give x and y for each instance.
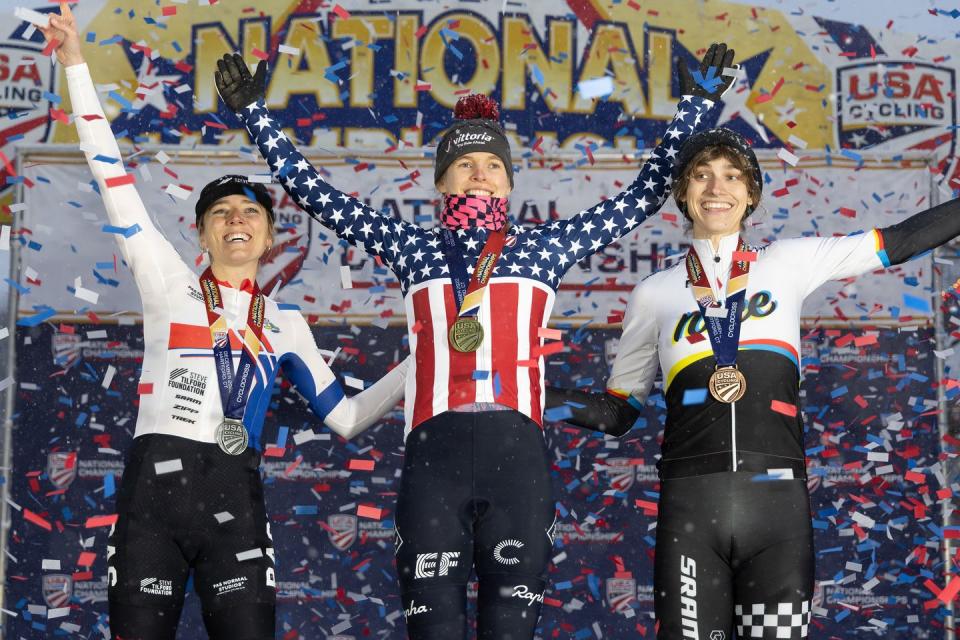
(431, 565)
(688, 597)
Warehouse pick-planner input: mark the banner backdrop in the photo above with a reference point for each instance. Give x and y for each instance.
(875, 479)
(65, 218)
(583, 84)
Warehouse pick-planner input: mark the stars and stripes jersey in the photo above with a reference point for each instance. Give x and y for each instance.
(179, 391)
(663, 326)
(508, 367)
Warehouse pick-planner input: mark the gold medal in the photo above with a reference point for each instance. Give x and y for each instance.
(466, 335)
(231, 437)
(727, 384)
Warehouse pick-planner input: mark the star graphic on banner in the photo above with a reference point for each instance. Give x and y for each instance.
(735, 100)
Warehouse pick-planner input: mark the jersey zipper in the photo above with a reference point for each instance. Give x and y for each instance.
(733, 433)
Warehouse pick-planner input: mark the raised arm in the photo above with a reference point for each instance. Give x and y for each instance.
(375, 232)
(817, 260)
(313, 379)
(616, 410)
(152, 259)
(592, 229)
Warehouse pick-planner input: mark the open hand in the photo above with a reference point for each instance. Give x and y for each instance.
(708, 81)
(63, 30)
(236, 86)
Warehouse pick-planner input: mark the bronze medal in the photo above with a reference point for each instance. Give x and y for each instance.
(466, 335)
(727, 384)
(232, 437)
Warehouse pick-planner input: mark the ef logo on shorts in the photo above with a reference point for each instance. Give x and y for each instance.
(431, 565)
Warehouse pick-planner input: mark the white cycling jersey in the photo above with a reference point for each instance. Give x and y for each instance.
(180, 395)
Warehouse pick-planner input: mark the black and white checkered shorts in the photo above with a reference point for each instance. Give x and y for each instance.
(789, 620)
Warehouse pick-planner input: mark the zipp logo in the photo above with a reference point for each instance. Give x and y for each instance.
(688, 597)
(431, 565)
(501, 547)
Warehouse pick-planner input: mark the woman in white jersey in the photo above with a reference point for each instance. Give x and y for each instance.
(734, 538)
(191, 495)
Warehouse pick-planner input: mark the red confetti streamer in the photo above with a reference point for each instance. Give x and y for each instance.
(785, 408)
(119, 181)
(341, 12)
(169, 11)
(745, 256)
(30, 516)
(361, 465)
(366, 511)
(51, 46)
(101, 521)
(144, 388)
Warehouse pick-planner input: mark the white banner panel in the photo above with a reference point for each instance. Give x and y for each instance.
(65, 218)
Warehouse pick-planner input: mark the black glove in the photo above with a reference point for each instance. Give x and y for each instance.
(236, 86)
(719, 58)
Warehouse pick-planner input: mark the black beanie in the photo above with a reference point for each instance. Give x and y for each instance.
(478, 130)
(233, 185)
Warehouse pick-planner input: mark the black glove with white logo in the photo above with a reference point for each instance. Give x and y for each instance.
(236, 86)
(711, 83)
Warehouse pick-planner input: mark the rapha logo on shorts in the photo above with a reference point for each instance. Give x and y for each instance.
(507, 559)
(156, 587)
(521, 591)
(415, 609)
(431, 565)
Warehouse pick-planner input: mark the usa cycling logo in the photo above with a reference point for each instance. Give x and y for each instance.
(621, 594)
(622, 473)
(897, 106)
(57, 589)
(342, 530)
(26, 81)
(62, 468)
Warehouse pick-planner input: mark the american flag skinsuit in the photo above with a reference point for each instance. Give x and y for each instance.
(508, 367)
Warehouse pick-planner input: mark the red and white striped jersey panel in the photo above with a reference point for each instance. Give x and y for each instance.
(513, 311)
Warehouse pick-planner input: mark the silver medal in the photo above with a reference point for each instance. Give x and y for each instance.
(232, 437)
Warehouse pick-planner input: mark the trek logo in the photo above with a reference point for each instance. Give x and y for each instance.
(521, 591)
(506, 544)
(760, 305)
(688, 598)
(415, 609)
(431, 565)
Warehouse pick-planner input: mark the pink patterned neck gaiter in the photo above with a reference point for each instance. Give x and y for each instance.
(468, 212)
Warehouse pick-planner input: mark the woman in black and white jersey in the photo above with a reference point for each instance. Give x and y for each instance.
(724, 327)
(191, 496)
